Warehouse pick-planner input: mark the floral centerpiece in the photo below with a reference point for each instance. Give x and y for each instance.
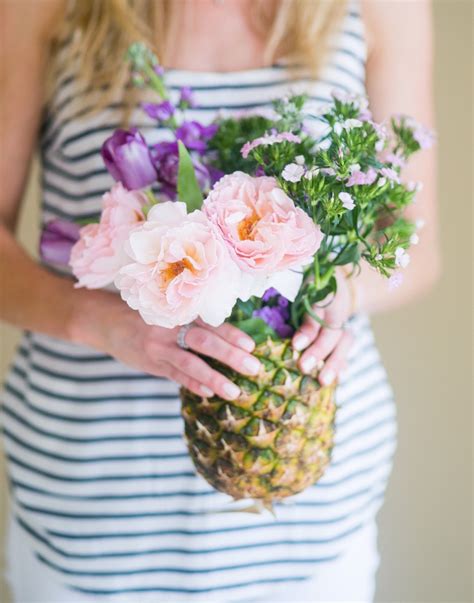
(246, 220)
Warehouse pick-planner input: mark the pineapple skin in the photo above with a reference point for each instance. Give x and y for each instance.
(275, 440)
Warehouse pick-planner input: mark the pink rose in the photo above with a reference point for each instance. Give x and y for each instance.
(180, 269)
(264, 230)
(98, 255)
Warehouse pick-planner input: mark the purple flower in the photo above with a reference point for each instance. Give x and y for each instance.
(159, 70)
(359, 178)
(186, 97)
(57, 240)
(128, 159)
(274, 319)
(269, 294)
(214, 174)
(276, 314)
(194, 135)
(166, 159)
(268, 139)
(159, 111)
(390, 174)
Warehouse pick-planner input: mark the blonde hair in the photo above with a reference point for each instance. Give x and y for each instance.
(97, 33)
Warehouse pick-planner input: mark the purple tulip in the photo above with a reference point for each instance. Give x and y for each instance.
(276, 318)
(186, 97)
(275, 312)
(159, 111)
(215, 174)
(57, 240)
(166, 158)
(128, 159)
(195, 136)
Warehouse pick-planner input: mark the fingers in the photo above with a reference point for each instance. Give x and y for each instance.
(235, 337)
(308, 331)
(198, 370)
(192, 384)
(337, 360)
(320, 350)
(210, 344)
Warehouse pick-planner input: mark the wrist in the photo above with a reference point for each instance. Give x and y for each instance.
(91, 314)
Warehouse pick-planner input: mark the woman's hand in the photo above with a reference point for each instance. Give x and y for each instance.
(108, 324)
(327, 347)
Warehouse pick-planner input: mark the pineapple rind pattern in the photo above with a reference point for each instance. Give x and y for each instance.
(275, 440)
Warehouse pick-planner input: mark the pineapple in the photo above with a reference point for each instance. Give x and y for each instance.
(272, 442)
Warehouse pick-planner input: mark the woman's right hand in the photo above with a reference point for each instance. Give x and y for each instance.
(106, 323)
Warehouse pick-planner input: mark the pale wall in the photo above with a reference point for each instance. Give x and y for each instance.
(426, 523)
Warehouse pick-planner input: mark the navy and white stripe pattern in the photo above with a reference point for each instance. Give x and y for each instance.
(101, 480)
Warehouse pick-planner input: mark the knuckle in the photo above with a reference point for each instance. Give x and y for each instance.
(186, 363)
(234, 359)
(199, 338)
(216, 382)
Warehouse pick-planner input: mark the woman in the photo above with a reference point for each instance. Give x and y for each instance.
(105, 502)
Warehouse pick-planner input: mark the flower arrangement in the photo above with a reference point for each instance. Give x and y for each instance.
(246, 220)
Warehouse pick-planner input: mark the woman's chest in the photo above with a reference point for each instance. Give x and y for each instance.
(74, 176)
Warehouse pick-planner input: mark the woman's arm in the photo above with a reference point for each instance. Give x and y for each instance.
(399, 80)
(33, 298)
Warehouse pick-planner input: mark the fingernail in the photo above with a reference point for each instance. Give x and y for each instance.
(327, 377)
(301, 342)
(309, 364)
(319, 365)
(252, 365)
(246, 344)
(208, 393)
(231, 390)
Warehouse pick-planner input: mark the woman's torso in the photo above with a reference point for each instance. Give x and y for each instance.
(101, 479)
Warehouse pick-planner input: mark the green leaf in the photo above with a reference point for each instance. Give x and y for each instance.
(349, 255)
(188, 187)
(256, 328)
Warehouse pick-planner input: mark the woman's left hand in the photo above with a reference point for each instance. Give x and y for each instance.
(324, 346)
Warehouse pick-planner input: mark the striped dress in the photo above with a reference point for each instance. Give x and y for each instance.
(101, 481)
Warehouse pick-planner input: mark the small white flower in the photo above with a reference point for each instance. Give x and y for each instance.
(355, 167)
(414, 239)
(379, 145)
(299, 159)
(347, 201)
(349, 124)
(395, 281)
(414, 186)
(419, 223)
(363, 103)
(310, 174)
(381, 182)
(323, 145)
(379, 257)
(338, 128)
(402, 259)
(293, 172)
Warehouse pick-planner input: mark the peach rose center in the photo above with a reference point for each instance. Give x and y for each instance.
(175, 269)
(246, 228)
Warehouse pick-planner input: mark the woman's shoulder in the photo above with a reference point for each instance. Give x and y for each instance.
(395, 23)
(31, 21)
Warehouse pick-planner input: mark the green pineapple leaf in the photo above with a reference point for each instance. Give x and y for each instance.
(188, 187)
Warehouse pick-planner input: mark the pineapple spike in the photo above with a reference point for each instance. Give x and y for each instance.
(282, 430)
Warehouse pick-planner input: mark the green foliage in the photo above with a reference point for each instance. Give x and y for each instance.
(256, 328)
(188, 187)
(230, 138)
(374, 228)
